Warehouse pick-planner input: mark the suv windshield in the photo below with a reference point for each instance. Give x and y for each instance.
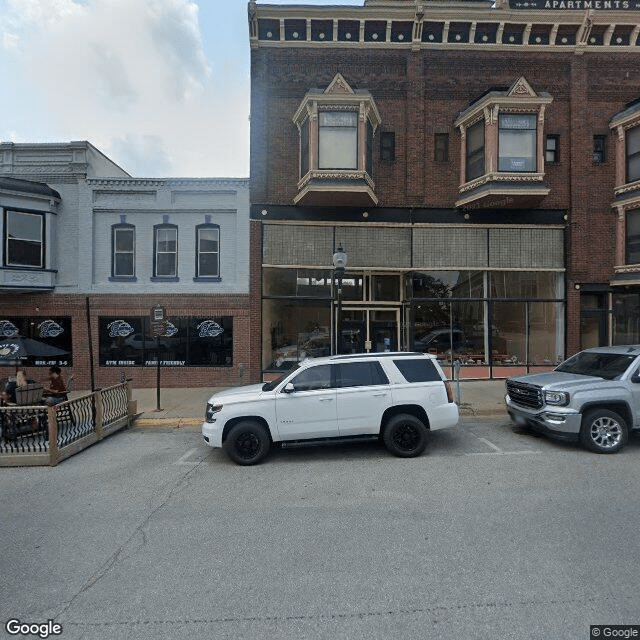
(600, 365)
(270, 386)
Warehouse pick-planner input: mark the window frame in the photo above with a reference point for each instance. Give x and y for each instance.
(636, 155)
(532, 133)
(351, 128)
(118, 277)
(388, 146)
(599, 154)
(477, 154)
(6, 239)
(439, 149)
(198, 276)
(555, 159)
(156, 276)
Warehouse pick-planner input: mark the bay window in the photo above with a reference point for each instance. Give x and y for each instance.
(24, 239)
(633, 154)
(517, 142)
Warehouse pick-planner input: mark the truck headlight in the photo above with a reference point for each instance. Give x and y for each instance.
(557, 398)
(211, 410)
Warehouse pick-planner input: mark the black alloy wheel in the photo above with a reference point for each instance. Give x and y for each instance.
(405, 436)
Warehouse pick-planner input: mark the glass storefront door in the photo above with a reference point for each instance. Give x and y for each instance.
(369, 330)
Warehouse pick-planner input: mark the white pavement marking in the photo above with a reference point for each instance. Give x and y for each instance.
(186, 456)
(490, 444)
(502, 453)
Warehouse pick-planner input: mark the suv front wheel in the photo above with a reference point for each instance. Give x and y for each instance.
(603, 431)
(405, 436)
(247, 443)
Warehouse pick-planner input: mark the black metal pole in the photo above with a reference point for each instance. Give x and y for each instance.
(158, 408)
(91, 368)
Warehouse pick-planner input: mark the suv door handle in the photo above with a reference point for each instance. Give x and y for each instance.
(325, 399)
(379, 395)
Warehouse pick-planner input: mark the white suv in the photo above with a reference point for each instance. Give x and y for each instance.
(398, 397)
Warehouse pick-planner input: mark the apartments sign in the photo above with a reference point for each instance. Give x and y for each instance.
(577, 5)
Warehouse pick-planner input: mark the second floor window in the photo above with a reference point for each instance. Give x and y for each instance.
(124, 241)
(166, 251)
(338, 140)
(517, 142)
(552, 148)
(475, 150)
(599, 149)
(208, 251)
(24, 239)
(633, 154)
(441, 147)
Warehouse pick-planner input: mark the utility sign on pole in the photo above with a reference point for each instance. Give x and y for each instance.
(159, 328)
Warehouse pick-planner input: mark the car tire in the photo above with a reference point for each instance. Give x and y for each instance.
(247, 443)
(603, 431)
(405, 436)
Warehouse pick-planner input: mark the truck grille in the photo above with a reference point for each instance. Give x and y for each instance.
(526, 395)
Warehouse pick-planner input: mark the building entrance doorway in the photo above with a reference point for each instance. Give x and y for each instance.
(368, 330)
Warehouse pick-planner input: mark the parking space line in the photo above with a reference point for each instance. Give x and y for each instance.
(185, 457)
(501, 453)
(490, 444)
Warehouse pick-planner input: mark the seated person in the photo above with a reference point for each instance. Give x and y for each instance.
(5, 397)
(57, 392)
(21, 378)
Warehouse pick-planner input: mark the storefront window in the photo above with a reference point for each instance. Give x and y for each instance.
(626, 318)
(189, 342)
(543, 285)
(293, 330)
(313, 283)
(36, 342)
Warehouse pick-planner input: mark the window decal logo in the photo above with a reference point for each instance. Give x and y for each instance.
(170, 329)
(209, 329)
(8, 329)
(9, 350)
(50, 329)
(119, 329)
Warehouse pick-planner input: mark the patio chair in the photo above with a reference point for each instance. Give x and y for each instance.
(30, 394)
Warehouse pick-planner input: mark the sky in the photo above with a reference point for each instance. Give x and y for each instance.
(160, 86)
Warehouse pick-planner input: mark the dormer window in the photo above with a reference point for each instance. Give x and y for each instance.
(504, 147)
(337, 127)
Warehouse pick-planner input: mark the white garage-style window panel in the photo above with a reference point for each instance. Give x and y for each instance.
(24, 239)
(503, 149)
(336, 127)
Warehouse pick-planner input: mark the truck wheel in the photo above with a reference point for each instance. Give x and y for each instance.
(405, 436)
(247, 443)
(603, 431)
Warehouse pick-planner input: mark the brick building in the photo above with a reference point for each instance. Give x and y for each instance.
(478, 163)
(88, 251)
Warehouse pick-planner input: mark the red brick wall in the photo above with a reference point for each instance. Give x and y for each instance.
(420, 92)
(245, 366)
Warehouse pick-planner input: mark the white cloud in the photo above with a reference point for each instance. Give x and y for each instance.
(132, 77)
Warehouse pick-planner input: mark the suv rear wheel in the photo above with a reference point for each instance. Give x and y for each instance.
(603, 431)
(405, 436)
(247, 443)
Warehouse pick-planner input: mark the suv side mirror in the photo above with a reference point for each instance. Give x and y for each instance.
(635, 378)
(289, 388)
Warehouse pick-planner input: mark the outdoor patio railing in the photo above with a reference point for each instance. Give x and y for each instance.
(41, 435)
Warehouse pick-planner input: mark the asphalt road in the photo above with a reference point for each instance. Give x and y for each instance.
(492, 534)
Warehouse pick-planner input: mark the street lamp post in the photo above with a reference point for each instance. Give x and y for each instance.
(339, 264)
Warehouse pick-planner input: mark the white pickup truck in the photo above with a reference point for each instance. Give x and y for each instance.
(398, 397)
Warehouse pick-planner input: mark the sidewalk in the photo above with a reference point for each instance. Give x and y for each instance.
(185, 407)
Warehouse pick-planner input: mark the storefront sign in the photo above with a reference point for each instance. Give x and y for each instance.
(576, 5)
(36, 342)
